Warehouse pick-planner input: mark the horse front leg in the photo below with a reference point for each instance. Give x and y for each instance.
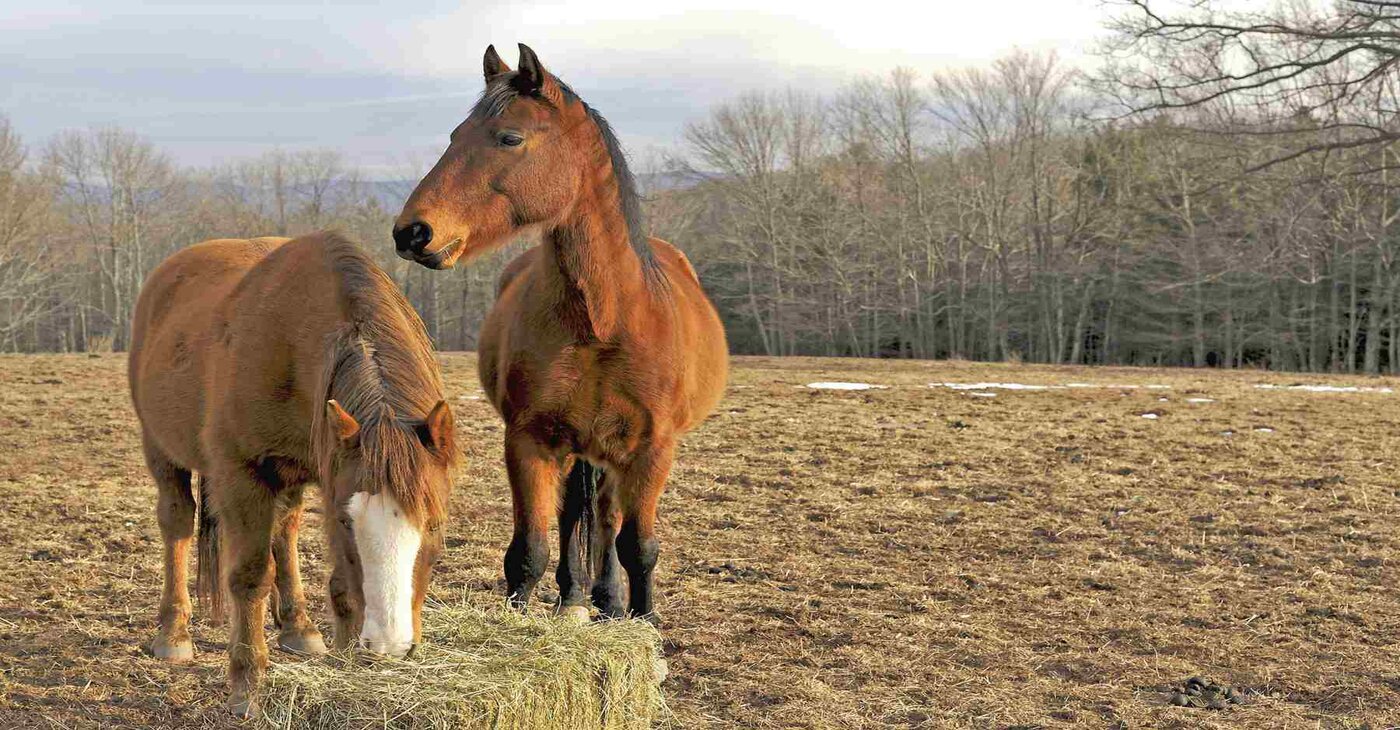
(643, 480)
(345, 607)
(534, 473)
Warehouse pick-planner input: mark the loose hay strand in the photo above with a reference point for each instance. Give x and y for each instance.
(487, 668)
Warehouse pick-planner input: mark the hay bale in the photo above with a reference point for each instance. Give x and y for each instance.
(482, 668)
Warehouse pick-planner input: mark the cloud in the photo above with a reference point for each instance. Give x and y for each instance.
(214, 81)
(842, 38)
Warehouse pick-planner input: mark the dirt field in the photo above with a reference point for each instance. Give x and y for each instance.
(906, 557)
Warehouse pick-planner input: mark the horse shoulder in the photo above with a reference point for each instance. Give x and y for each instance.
(495, 325)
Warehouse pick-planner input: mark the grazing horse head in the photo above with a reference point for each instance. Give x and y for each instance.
(525, 157)
(387, 483)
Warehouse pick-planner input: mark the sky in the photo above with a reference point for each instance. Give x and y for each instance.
(384, 83)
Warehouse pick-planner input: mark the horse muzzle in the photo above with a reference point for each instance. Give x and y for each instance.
(443, 258)
(386, 647)
(411, 242)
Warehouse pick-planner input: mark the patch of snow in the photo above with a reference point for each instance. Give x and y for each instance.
(468, 397)
(1164, 400)
(1152, 416)
(990, 386)
(844, 386)
(1024, 386)
(1264, 429)
(1200, 400)
(981, 394)
(1326, 388)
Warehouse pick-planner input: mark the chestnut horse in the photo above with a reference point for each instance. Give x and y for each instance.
(601, 349)
(263, 365)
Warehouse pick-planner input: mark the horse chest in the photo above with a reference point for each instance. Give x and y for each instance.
(587, 411)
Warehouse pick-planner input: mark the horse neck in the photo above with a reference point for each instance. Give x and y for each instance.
(601, 276)
(391, 352)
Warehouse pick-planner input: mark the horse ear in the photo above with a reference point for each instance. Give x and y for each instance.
(436, 430)
(492, 65)
(532, 76)
(344, 425)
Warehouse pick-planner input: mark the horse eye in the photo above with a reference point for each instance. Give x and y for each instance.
(511, 139)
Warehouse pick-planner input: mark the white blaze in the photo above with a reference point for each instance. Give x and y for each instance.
(388, 546)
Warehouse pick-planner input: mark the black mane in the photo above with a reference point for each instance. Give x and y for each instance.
(501, 91)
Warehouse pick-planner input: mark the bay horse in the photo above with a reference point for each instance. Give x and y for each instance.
(265, 364)
(601, 349)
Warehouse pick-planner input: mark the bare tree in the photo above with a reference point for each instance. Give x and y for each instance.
(1314, 73)
(116, 188)
(28, 280)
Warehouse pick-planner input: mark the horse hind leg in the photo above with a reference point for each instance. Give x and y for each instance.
(175, 514)
(295, 631)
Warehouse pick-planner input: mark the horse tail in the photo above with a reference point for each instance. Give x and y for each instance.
(580, 501)
(207, 584)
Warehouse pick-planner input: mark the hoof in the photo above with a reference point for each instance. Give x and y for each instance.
(576, 614)
(242, 707)
(309, 643)
(175, 652)
(609, 607)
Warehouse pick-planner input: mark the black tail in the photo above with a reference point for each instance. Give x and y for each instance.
(580, 498)
(208, 585)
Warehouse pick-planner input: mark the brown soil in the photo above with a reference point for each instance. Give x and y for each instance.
(907, 557)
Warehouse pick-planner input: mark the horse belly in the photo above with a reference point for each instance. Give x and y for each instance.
(704, 355)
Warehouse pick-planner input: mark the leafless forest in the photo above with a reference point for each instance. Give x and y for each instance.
(1212, 190)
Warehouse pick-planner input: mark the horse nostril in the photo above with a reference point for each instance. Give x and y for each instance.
(413, 237)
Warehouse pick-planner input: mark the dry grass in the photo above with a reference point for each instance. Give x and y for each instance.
(482, 668)
(908, 557)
